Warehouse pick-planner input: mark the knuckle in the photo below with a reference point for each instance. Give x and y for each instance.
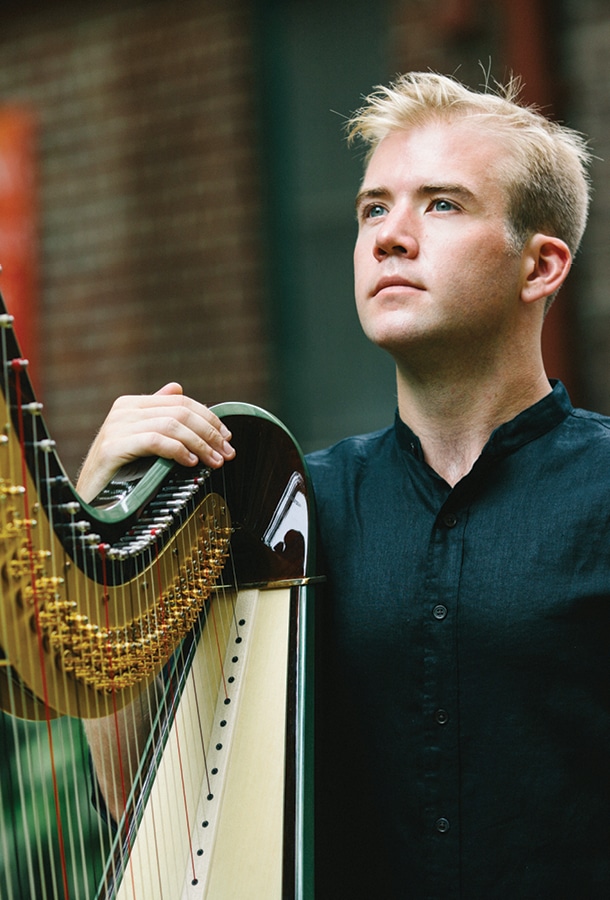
(171, 426)
(121, 402)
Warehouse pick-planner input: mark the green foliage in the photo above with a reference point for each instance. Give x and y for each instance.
(44, 807)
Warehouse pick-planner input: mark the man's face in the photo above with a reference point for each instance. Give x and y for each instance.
(432, 263)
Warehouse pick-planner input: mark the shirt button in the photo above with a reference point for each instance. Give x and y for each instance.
(441, 716)
(449, 520)
(442, 825)
(439, 611)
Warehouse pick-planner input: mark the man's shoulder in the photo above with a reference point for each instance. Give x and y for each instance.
(589, 425)
(580, 444)
(589, 415)
(351, 450)
(338, 470)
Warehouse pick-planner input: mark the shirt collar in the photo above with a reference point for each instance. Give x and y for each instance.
(528, 425)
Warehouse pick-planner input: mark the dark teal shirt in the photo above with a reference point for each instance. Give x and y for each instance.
(463, 690)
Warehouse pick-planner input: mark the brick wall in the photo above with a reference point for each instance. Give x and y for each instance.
(149, 210)
(150, 247)
(585, 50)
(449, 36)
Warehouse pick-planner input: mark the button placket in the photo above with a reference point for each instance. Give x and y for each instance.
(441, 688)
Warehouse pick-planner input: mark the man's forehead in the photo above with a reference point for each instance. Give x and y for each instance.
(438, 154)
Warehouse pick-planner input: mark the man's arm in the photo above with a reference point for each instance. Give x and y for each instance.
(173, 426)
(166, 424)
(116, 743)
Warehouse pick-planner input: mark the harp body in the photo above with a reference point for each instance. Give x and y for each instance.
(199, 580)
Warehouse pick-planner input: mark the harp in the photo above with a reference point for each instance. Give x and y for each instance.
(198, 580)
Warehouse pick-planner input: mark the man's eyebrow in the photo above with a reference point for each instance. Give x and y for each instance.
(456, 190)
(425, 190)
(379, 193)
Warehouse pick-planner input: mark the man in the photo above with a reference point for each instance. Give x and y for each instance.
(463, 709)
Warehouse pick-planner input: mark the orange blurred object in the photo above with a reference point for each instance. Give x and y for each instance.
(19, 227)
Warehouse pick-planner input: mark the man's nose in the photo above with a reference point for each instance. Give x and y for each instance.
(396, 235)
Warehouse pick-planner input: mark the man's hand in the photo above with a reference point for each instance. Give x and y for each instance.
(166, 424)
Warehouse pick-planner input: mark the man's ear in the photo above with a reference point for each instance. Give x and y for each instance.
(547, 261)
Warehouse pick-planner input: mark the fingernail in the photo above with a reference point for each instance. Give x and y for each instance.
(225, 431)
(227, 449)
(217, 458)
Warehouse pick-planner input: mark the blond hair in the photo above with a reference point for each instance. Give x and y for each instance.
(545, 171)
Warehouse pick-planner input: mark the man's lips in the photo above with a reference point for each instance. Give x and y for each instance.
(391, 281)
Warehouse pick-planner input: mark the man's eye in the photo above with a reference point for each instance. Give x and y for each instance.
(374, 211)
(442, 205)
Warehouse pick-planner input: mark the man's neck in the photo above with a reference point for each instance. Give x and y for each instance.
(454, 420)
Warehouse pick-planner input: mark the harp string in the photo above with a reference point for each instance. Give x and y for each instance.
(18, 366)
(212, 626)
(67, 748)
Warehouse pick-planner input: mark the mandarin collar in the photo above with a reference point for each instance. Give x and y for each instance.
(528, 425)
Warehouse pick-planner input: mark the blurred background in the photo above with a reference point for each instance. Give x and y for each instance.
(176, 195)
(176, 203)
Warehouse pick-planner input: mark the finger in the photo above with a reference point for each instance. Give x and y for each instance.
(166, 424)
(135, 413)
(171, 388)
(195, 434)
